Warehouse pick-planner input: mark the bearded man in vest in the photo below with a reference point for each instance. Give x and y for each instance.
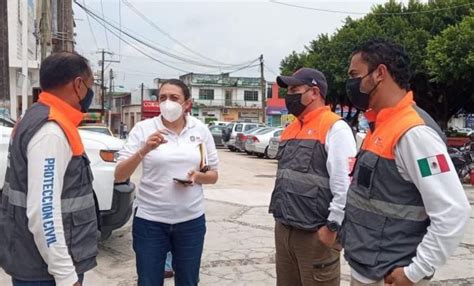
(312, 180)
(48, 221)
(406, 210)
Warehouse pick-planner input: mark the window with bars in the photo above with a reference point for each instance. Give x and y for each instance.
(251, 95)
(206, 94)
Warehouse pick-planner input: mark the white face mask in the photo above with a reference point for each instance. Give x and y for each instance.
(171, 110)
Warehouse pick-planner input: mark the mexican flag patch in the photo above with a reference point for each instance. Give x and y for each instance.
(433, 165)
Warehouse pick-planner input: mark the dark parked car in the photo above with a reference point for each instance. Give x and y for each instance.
(216, 132)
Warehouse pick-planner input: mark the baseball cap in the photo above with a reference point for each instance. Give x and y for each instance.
(307, 76)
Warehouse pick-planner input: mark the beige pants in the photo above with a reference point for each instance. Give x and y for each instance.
(303, 260)
(355, 282)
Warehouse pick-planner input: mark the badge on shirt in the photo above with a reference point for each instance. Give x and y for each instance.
(433, 165)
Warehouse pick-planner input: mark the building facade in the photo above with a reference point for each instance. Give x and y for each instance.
(24, 55)
(277, 114)
(225, 98)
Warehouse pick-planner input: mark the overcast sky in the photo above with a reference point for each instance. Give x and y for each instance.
(223, 31)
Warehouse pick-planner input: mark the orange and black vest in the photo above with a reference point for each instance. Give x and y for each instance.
(385, 218)
(19, 256)
(302, 195)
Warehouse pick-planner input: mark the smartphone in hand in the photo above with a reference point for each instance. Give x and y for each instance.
(183, 182)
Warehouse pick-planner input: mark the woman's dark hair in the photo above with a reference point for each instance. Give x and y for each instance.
(180, 84)
(379, 51)
(60, 68)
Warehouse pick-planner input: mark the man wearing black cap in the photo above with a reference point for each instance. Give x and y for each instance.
(312, 180)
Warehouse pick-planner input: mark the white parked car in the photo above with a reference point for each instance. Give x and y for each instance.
(115, 199)
(258, 143)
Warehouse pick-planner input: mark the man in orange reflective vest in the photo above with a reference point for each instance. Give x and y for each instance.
(406, 210)
(312, 180)
(48, 223)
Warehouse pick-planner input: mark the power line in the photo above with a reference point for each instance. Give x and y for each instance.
(243, 68)
(106, 36)
(128, 71)
(362, 13)
(142, 52)
(153, 24)
(90, 26)
(188, 61)
(120, 28)
(249, 65)
(120, 25)
(270, 70)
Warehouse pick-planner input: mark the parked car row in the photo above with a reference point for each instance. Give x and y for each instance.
(230, 132)
(250, 137)
(255, 139)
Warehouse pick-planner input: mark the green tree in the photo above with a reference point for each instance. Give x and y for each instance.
(450, 63)
(415, 30)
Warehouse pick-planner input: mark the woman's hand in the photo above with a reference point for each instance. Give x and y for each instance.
(194, 177)
(154, 141)
(209, 177)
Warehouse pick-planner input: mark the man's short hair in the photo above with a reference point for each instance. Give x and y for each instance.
(60, 68)
(379, 51)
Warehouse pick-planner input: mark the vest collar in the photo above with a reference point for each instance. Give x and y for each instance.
(315, 114)
(72, 114)
(375, 118)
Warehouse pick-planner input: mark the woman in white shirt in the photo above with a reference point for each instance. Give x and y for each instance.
(178, 156)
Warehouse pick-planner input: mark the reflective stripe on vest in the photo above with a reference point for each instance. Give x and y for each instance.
(18, 199)
(304, 178)
(397, 211)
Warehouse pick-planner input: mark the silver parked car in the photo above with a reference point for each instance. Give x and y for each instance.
(273, 147)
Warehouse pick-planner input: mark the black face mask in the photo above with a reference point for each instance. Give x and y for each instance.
(359, 99)
(87, 100)
(293, 103)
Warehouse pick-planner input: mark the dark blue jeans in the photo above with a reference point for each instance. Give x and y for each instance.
(151, 242)
(16, 282)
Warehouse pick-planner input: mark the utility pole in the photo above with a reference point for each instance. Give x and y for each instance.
(64, 40)
(102, 84)
(45, 28)
(24, 55)
(102, 81)
(262, 87)
(4, 58)
(141, 100)
(111, 86)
